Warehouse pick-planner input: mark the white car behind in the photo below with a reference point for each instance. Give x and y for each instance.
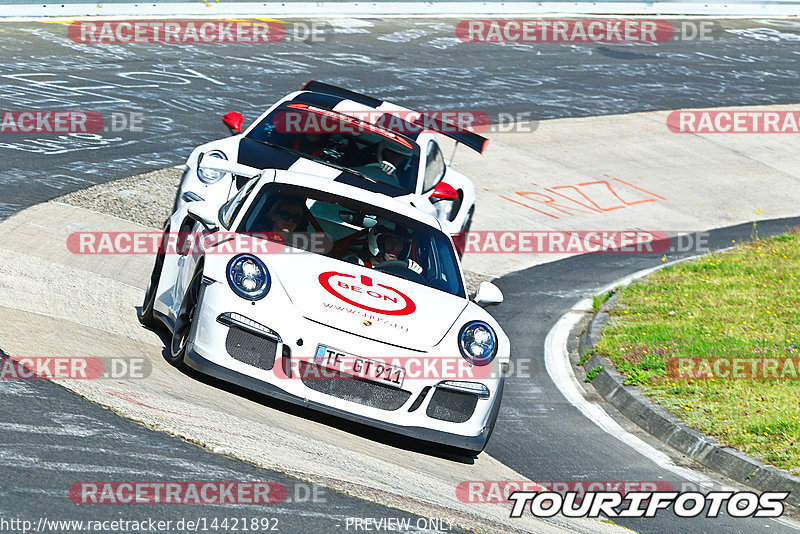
(351, 129)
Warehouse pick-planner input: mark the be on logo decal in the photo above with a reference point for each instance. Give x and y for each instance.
(367, 295)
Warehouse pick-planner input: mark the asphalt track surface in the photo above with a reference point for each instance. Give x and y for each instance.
(52, 439)
(181, 91)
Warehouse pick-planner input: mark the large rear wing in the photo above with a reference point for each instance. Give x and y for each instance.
(460, 135)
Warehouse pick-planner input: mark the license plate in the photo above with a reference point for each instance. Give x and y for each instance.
(366, 368)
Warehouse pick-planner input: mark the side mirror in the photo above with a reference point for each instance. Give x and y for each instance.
(233, 120)
(488, 294)
(205, 213)
(444, 191)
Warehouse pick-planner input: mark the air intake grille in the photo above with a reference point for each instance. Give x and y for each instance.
(354, 389)
(251, 349)
(451, 406)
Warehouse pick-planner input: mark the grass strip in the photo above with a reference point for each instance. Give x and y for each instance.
(740, 308)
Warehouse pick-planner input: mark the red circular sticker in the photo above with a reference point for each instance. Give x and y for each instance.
(365, 294)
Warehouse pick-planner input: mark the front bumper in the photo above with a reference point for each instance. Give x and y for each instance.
(417, 413)
(470, 443)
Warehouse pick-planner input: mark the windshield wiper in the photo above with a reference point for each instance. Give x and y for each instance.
(280, 147)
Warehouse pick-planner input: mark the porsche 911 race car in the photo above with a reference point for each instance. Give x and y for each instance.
(330, 296)
(347, 137)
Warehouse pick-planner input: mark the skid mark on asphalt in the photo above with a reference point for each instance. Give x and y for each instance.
(10, 459)
(62, 430)
(40, 469)
(167, 458)
(136, 399)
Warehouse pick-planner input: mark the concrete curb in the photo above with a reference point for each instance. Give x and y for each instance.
(668, 428)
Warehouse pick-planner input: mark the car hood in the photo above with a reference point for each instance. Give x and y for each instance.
(365, 302)
(260, 156)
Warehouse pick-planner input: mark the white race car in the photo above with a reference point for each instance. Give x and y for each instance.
(347, 137)
(334, 297)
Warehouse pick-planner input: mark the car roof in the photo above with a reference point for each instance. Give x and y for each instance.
(380, 200)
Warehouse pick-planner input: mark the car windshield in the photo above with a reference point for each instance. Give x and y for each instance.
(354, 232)
(330, 137)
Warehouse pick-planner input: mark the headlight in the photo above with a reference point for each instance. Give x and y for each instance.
(207, 176)
(248, 277)
(477, 342)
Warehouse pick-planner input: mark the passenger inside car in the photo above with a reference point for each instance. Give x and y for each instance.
(286, 215)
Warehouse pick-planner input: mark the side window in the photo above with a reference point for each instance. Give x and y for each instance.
(434, 167)
(229, 210)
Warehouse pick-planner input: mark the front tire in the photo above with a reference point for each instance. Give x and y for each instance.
(179, 343)
(148, 318)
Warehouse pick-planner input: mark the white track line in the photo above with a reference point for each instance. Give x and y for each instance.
(556, 359)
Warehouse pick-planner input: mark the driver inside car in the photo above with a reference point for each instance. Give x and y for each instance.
(385, 244)
(309, 143)
(386, 162)
(390, 160)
